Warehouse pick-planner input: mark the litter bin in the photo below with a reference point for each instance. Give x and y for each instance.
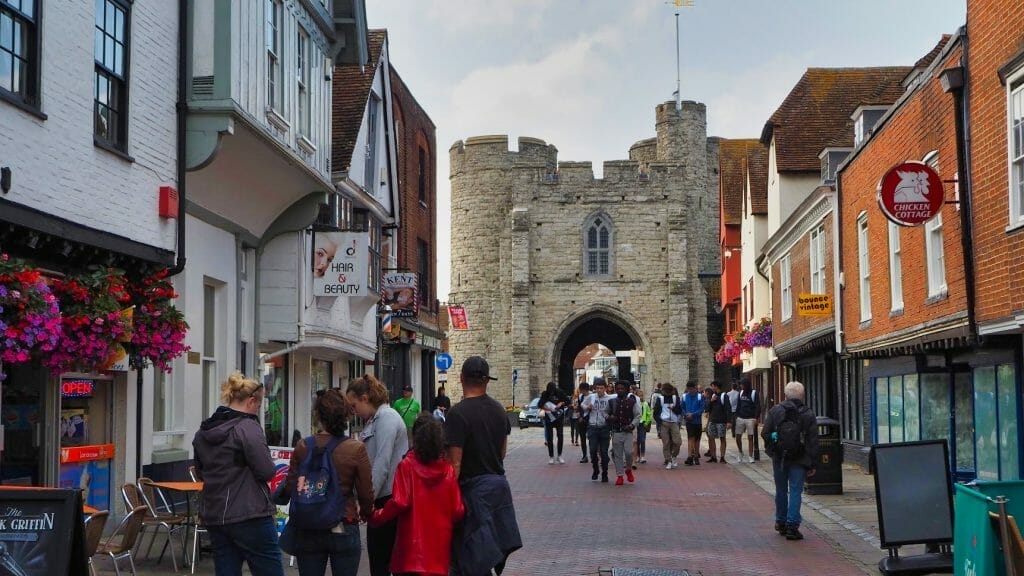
(976, 539)
(828, 479)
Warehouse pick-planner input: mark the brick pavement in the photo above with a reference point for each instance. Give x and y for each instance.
(714, 519)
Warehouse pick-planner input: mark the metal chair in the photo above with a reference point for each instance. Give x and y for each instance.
(197, 525)
(128, 531)
(94, 525)
(135, 495)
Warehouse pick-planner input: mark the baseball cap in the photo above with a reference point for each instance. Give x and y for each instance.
(477, 367)
(407, 388)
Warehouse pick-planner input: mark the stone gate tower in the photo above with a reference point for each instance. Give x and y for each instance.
(547, 259)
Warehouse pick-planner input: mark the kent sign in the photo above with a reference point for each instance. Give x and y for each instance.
(910, 194)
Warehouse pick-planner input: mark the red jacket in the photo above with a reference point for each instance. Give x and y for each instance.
(427, 502)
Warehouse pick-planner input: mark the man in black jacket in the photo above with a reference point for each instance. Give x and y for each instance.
(794, 452)
(554, 402)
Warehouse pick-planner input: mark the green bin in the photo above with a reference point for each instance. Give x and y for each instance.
(976, 550)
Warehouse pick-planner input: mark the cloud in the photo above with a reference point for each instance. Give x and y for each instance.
(462, 15)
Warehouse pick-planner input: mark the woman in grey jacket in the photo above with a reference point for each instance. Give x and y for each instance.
(234, 463)
(386, 443)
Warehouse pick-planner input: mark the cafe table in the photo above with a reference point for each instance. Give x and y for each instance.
(190, 489)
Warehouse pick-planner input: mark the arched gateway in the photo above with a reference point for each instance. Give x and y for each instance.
(547, 259)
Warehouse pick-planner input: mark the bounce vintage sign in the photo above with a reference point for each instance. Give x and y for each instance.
(910, 194)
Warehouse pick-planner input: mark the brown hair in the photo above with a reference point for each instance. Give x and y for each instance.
(332, 410)
(366, 384)
(428, 438)
(238, 387)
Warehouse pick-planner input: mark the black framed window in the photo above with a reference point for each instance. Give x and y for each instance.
(422, 175)
(423, 253)
(111, 78)
(19, 51)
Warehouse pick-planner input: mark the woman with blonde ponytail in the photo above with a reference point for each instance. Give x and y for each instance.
(234, 463)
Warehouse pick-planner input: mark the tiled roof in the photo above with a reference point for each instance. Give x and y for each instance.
(732, 177)
(351, 88)
(757, 168)
(816, 113)
(927, 59)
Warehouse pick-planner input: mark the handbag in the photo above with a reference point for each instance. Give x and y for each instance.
(287, 539)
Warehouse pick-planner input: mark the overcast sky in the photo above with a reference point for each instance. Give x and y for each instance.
(585, 75)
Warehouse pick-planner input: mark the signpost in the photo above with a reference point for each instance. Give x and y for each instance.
(910, 193)
(515, 378)
(443, 361)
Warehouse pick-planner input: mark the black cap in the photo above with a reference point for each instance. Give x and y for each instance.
(599, 381)
(407, 388)
(478, 368)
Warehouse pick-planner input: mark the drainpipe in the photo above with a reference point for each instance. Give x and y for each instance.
(954, 81)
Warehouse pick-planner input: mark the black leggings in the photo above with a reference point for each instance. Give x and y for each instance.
(557, 426)
(581, 429)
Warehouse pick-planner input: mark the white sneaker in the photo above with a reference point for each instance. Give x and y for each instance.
(551, 460)
(675, 464)
(750, 459)
(668, 466)
(561, 460)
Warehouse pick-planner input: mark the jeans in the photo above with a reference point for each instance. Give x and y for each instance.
(252, 541)
(622, 451)
(582, 424)
(549, 429)
(789, 487)
(641, 441)
(342, 550)
(380, 541)
(599, 437)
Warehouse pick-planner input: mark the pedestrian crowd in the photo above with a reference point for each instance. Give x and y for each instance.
(618, 421)
(429, 486)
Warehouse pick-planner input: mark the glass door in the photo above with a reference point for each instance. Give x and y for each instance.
(23, 408)
(963, 435)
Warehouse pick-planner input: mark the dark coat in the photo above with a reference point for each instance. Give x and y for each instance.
(808, 424)
(490, 532)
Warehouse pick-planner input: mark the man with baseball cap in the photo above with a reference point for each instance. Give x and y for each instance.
(476, 432)
(408, 408)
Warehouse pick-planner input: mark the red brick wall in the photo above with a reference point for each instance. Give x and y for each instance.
(415, 130)
(800, 279)
(924, 123)
(995, 29)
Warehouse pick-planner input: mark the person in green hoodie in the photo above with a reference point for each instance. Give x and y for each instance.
(408, 408)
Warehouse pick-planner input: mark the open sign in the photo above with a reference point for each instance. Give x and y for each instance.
(76, 388)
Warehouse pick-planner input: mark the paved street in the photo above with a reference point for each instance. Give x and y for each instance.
(712, 519)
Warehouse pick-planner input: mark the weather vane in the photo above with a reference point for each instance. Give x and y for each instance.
(679, 4)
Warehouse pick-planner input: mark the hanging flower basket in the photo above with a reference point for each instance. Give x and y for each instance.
(29, 314)
(91, 319)
(159, 329)
(761, 334)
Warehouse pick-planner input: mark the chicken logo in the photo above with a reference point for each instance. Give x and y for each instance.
(913, 187)
(910, 193)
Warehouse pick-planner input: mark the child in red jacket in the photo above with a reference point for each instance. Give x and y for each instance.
(427, 502)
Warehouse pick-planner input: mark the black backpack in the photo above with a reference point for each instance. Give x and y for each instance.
(791, 440)
(746, 406)
(317, 502)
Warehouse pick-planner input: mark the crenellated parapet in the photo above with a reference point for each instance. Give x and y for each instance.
(491, 152)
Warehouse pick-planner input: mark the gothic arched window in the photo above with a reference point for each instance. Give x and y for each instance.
(597, 245)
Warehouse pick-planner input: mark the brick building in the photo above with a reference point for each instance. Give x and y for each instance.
(415, 138)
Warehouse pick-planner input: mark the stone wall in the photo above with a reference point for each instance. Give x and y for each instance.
(518, 247)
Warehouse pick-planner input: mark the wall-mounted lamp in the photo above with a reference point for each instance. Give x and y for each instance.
(728, 251)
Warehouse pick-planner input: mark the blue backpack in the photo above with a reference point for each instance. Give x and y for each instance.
(317, 502)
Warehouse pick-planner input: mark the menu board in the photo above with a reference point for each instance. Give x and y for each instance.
(36, 527)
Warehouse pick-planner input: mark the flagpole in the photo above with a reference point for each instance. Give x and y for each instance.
(679, 94)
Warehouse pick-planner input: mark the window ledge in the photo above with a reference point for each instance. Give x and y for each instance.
(895, 312)
(104, 145)
(938, 297)
(305, 145)
(1012, 228)
(21, 104)
(277, 120)
(865, 324)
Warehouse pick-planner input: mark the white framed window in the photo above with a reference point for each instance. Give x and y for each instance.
(212, 330)
(895, 268)
(936, 256)
(272, 29)
(597, 242)
(372, 119)
(864, 267)
(817, 253)
(302, 65)
(1015, 115)
(786, 293)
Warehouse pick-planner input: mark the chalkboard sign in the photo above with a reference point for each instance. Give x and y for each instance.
(41, 532)
(913, 492)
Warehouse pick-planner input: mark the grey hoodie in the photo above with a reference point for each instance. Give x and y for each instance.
(234, 463)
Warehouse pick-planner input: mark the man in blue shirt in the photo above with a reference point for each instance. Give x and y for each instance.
(693, 411)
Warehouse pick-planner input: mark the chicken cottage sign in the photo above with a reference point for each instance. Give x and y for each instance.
(910, 194)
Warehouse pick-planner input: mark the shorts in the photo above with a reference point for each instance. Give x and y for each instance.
(693, 430)
(716, 430)
(746, 426)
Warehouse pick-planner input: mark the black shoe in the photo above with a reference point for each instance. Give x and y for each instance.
(696, 460)
(688, 461)
(793, 533)
(594, 476)
(780, 527)
(584, 460)
(712, 459)
(708, 453)
(604, 478)
(634, 466)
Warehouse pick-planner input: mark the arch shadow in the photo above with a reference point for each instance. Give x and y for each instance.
(601, 324)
